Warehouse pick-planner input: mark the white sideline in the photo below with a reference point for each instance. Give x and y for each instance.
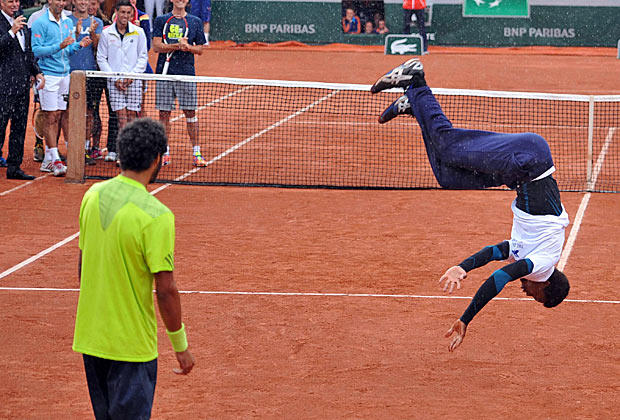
(572, 237)
(218, 157)
(314, 294)
(22, 185)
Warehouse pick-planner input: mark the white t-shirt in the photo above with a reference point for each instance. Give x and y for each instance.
(539, 238)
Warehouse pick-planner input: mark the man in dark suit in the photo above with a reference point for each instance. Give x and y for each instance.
(17, 68)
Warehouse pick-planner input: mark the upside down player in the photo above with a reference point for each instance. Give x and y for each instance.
(473, 159)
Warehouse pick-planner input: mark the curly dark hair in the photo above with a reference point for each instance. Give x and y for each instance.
(141, 142)
(557, 289)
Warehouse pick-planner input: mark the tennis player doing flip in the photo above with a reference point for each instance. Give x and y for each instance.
(473, 159)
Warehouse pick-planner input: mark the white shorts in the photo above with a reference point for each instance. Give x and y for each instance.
(53, 95)
(130, 98)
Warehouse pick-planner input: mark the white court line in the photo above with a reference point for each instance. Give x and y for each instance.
(584, 202)
(215, 101)
(315, 294)
(23, 185)
(39, 255)
(218, 157)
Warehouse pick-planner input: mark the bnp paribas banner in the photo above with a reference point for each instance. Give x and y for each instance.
(496, 8)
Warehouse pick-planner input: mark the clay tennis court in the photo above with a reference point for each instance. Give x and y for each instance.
(310, 303)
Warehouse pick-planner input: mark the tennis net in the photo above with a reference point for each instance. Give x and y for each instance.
(305, 134)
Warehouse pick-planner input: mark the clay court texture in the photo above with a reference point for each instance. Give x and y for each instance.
(317, 303)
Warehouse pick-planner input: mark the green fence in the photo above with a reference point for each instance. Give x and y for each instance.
(550, 22)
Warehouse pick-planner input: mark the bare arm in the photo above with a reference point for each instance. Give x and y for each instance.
(159, 46)
(169, 304)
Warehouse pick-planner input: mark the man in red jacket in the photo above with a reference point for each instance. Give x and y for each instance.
(411, 7)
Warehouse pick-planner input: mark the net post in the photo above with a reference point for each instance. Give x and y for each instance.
(590, 139)
(76, 112)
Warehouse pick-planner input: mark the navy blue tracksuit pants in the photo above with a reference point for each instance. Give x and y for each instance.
(474, 159)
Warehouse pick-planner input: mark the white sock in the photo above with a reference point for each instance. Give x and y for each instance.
(207, 37)
(196, 150)
(167, 150)
(54, 154)
(87, 144)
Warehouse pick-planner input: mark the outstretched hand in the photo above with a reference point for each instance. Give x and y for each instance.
(460, 329)
(452, 277)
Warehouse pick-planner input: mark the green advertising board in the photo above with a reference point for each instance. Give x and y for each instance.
(496, 8)
(592, 23)
(403, 44)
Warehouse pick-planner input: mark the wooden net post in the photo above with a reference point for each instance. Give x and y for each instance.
(76, 112)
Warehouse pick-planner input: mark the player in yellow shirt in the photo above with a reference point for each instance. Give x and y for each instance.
(126, 242)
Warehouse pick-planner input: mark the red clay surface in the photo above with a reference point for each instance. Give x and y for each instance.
(274, 356)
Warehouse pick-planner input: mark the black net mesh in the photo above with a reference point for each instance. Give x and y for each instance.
(255, 132)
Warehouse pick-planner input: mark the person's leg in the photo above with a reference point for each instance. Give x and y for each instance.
(131, 389)
(407, 20)
(419, 14)
(4, 121)
(186, 92)
(19, 121)
(159, 6)
(149, 8)
(164, 103)
(97, 371)
(206, 19)
(495, 158)
(123, 117)
(112, 123)
(192, 127)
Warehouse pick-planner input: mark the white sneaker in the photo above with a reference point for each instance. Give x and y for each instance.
(47, 166)
(59, 168)
(110, 157)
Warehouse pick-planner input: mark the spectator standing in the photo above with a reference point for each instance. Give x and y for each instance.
(126, 245)
(202, 9)
(351, 23)
(100, 86)
(181, 63)
(122, 49)
(17, 68)
(53, 43)
(84, 59)
(39, 147)
(415, 7)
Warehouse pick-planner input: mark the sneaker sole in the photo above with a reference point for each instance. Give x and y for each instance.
(400, 76)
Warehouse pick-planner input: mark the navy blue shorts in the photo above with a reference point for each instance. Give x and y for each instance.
(474, 159)
(120, 390)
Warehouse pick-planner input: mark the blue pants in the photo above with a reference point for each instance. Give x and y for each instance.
(120, 390)
(474, 159)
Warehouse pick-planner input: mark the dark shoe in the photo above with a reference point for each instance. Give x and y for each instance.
(401, 106)
(3, 163)
(63, 158)
(17, 173)
(401, 76)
